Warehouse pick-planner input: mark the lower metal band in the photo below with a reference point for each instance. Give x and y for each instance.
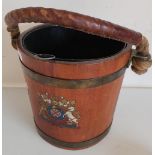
(72, 145)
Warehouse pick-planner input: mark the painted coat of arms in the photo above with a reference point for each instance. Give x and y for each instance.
(59, 111)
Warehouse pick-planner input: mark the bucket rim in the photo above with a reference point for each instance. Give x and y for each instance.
(21, 48)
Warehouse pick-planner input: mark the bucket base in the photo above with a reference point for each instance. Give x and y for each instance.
(72, 145)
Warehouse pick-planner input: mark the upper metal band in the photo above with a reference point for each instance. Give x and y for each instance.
(72, 84)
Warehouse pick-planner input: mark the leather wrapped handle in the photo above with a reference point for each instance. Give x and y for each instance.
(82, 23)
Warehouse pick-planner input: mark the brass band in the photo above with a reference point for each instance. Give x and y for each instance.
(72, 84)
(72, 145)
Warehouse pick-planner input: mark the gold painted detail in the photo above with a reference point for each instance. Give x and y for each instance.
(58, 110)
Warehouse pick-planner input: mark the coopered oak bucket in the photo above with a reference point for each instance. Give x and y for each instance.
(74, 67)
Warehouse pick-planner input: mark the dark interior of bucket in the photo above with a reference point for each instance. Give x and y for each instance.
(69, 44)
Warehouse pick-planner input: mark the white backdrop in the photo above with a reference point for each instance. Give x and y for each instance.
(134, 14)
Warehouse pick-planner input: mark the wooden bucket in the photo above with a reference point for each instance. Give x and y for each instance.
(74, 67)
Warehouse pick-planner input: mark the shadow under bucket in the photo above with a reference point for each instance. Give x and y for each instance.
(74, 67)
